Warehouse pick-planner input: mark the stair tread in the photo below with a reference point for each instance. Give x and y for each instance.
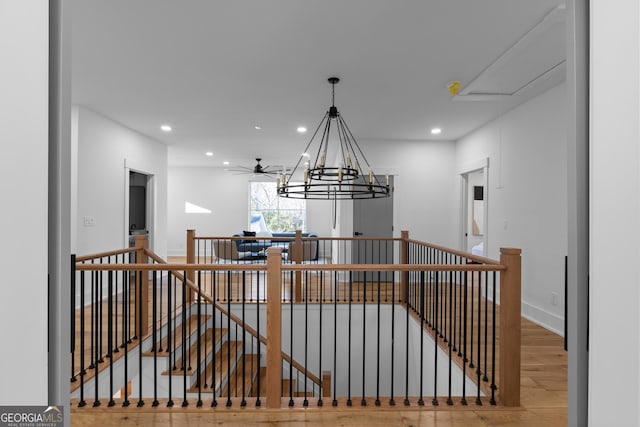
(221, 362)
(192, 356)
(243, 374)
(192, 325)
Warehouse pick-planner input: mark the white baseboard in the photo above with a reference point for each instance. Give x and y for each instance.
(541, 317)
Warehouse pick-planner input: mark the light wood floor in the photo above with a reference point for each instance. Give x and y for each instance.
(543, 396)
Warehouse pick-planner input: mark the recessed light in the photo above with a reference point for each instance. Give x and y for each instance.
(226, 163)
(436, 131)
(305, 155)
(257, 127)
(209, 153)
(165, 128)
(301, 129)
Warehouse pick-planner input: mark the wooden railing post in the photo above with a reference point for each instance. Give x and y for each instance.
(191, 259)
(274, 327)
(142, 294)
(326, 383)
(510, 330)
(404, 259)
(298, 260)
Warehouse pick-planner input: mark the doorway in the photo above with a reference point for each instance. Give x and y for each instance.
(474, 210)
(139, 207)
(373, 218)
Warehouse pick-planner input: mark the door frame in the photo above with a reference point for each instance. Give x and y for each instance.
(471, 167)
(150, 203)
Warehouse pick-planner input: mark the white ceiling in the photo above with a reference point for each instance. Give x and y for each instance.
(215, 69)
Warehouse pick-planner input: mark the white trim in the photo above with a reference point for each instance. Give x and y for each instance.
(542, 317)
(474, 165)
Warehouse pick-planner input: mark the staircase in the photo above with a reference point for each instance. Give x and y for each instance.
(194, 360)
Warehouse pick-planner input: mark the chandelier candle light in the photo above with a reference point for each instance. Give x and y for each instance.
(345, 181)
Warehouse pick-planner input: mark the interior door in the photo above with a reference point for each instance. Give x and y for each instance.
(373, 218)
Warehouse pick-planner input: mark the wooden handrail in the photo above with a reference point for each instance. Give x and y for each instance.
(295, 267)
(467, 255)
(104, 254)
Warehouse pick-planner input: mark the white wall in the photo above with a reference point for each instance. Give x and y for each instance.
(24, 43)
(614, 323)
(227, 197)
(103, 148)
(527, 151)
(425, 187)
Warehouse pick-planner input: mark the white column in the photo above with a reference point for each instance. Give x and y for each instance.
(24, 45)
(614, 352)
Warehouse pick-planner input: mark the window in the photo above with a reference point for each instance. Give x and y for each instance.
(268, 212)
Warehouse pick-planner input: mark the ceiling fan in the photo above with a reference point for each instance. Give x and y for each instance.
(258, 169)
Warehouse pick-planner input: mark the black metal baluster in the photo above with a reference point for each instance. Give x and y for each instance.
(473, 281)
(229, 403)
(83, 371)
(93, 363)
(463, 311)
(198, 342)
(479, 343)
(125, 327)
(72, 320)
(185, 341)
(96, 331)
(349, 402)
(422, 283)
(335, 338)
(170, 323)
(243, 402)
(115, 348)
(214, 402)
(305, 402)
(486, 324)
(434, 401)
(139, 303)
(363, 402)
(462, 278)
(258, 402)
(451, 331)
(392, 401)
(378, 347)
(291, 299)
(154, 337)
(174, 309)
(493, 345)
(100, 319)
(110, 334)
(454, 318)
(406, 360)
(321, 280)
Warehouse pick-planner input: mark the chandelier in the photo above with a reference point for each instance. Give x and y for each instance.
(347, 180)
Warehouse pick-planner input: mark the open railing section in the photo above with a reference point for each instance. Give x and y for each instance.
(459, 306)
(329, 286)
(297, 324)
(145, 331)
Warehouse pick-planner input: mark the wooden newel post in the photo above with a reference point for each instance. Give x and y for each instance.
(404, 259)
(142, 293)
(191, 259)
(510, 330)
(274, 327)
